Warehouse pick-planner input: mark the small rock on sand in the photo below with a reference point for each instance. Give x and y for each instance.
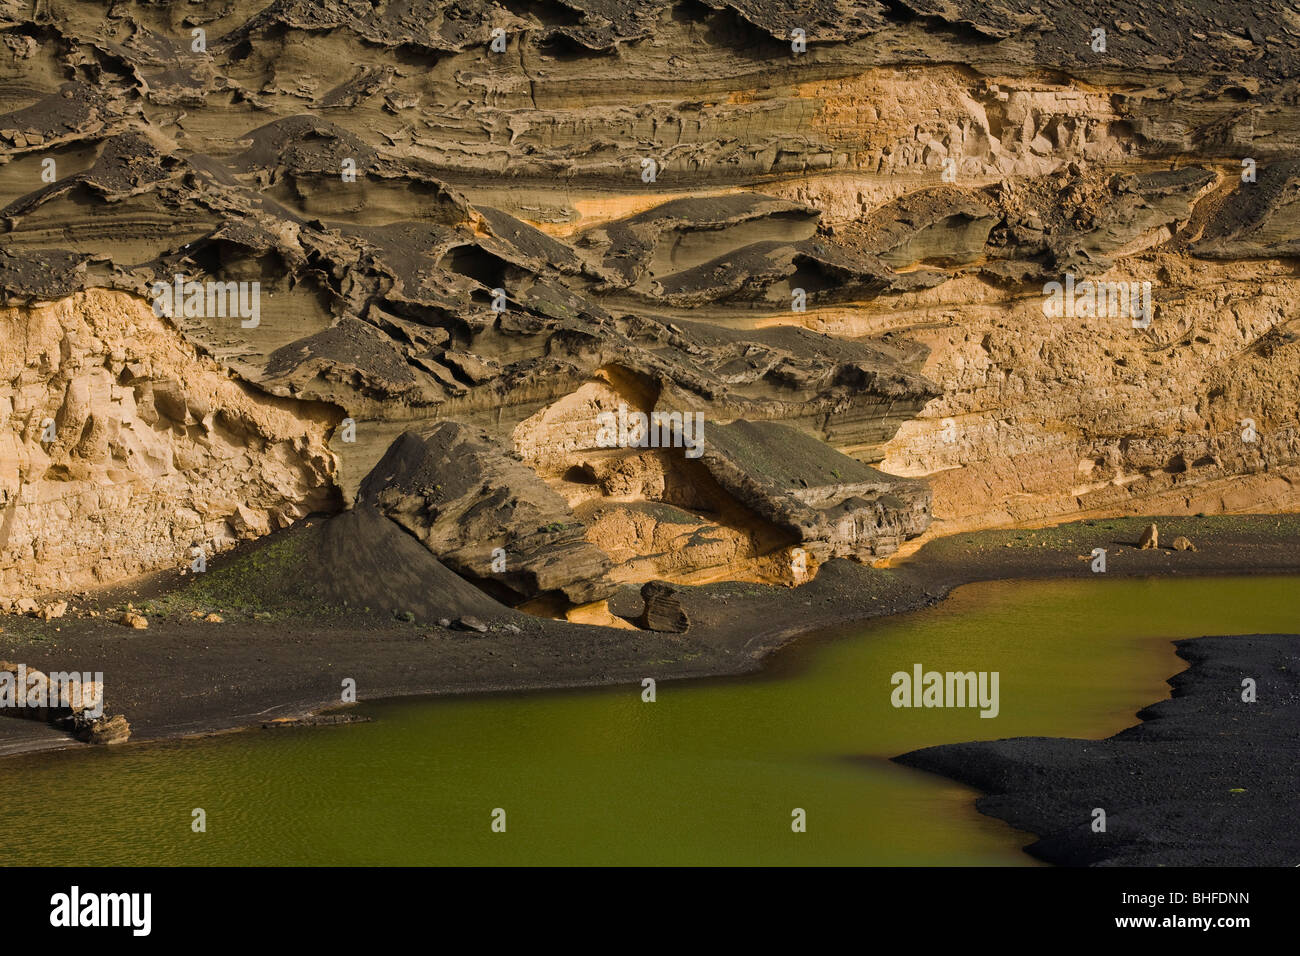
(104, 730)
(51, 611)
(1150, 538)
(1182, 544)
(663, 611)
(137, 621)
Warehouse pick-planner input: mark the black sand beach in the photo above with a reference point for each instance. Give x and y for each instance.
(1205, 780)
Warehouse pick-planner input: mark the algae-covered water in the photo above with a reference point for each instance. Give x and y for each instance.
(709, 773)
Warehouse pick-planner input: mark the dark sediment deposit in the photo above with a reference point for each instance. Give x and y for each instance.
(1206, 779)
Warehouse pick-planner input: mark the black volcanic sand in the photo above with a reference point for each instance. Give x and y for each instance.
(1206, 779)
(355, 596)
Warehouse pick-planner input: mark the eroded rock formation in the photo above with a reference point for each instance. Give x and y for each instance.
(475, 228)
(123, 451)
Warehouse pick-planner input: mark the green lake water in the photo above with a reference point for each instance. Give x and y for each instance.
(708, 774)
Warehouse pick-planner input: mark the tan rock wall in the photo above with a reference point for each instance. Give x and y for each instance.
(155, 449)
(1046, 419)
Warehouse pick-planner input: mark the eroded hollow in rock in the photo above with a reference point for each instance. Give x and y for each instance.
(656, 512)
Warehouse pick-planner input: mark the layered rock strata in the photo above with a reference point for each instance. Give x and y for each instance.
(482, 226)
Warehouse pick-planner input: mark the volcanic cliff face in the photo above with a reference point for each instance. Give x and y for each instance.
(497, 226)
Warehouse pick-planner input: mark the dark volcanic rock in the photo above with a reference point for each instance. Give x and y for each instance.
(1258, 219)
(363, 559)
(663, 611)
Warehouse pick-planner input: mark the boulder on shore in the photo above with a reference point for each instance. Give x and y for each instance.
(101, 730)
(53, 611)
(663, 611)
(37, 696)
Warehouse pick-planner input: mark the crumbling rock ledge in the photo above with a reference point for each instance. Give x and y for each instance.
(837, 506)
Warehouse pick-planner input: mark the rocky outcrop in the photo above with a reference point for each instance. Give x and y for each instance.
(686, 499)
(835, 505)
(1258, 222)
(486, 516)
(488, 226)
(101, 731)
(1044, 418)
